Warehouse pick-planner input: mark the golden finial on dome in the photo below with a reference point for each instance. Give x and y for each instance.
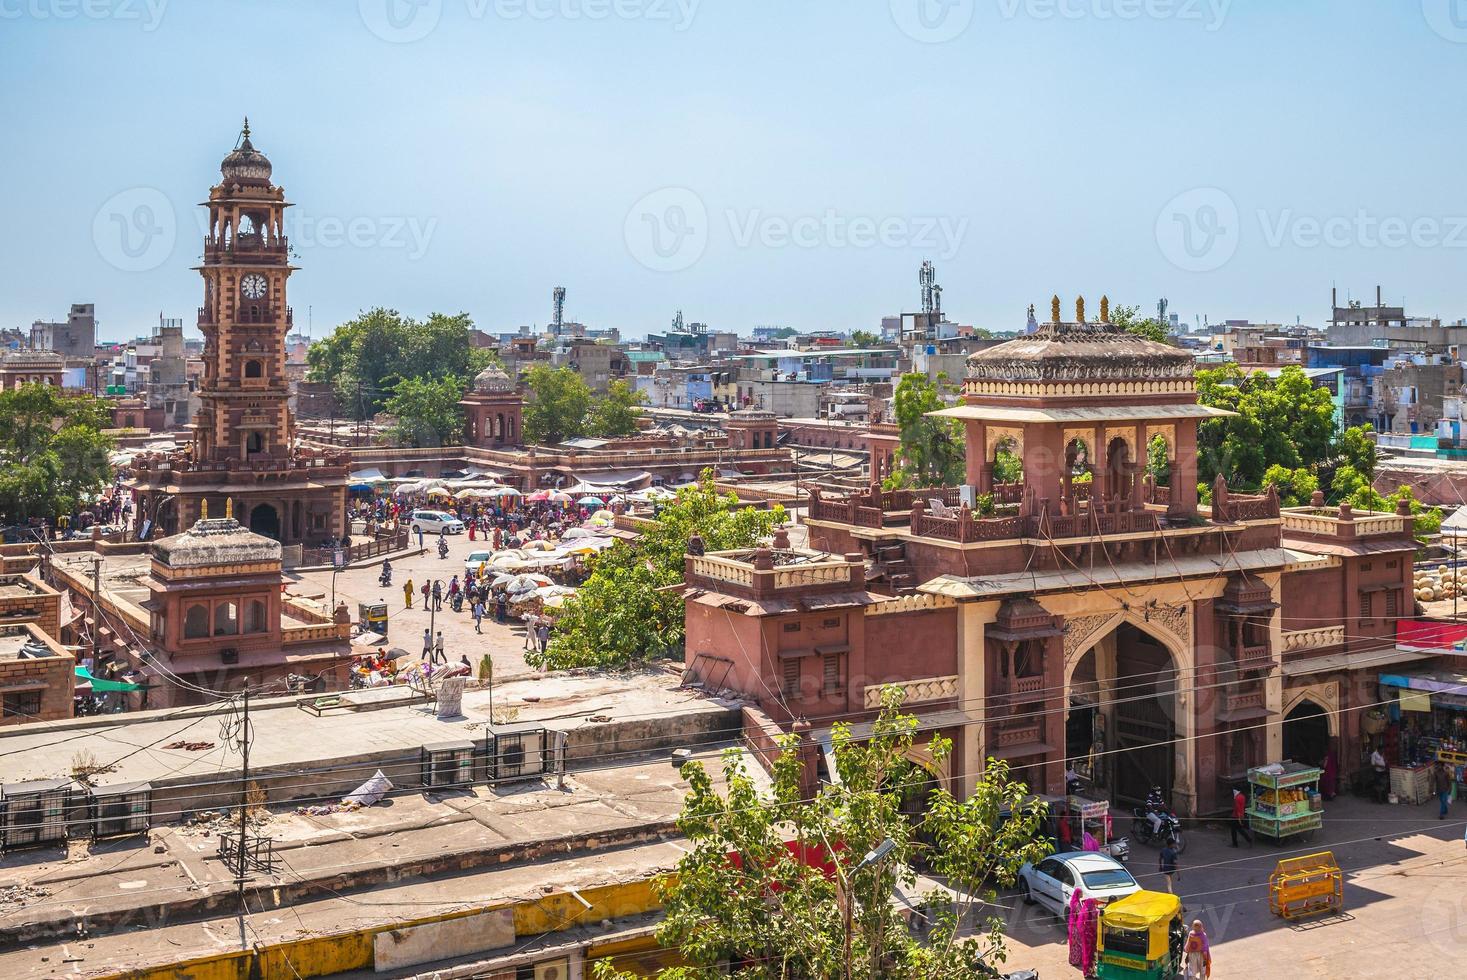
(1054, 309)
(229, 508)
(1080, 309)
(1105, 309)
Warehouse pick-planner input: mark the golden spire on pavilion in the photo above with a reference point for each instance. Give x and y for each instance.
(1080, 309)
(229, 508)
(204, 509)
(1105, 309)
(1054, 309)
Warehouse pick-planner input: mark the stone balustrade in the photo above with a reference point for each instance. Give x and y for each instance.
(1297, 641)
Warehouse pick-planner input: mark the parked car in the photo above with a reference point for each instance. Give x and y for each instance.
(1051, 882)
(475, 559)
(433, 521)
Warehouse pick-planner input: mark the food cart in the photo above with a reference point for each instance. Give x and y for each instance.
(1141, 938)
(1284, 801)
(1083, 815)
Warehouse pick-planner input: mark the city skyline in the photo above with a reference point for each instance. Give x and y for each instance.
(653, 159)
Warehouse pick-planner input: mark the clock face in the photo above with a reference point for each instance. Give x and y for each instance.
(253, 286)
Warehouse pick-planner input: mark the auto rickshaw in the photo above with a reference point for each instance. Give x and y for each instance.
(373, 617)
(1141, 938)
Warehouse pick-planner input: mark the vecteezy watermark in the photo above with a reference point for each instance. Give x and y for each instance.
(410, 234)
(405, 21)
(1361, 230)
(670, 229)
(667, 230)
(932, 21)
(1199, 230)
(148, 13)
(1448, 18)
(1209, 13)
(135, 230)
(940, 235)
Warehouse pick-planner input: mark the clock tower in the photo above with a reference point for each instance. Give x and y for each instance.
(245, 317)
(244, 451)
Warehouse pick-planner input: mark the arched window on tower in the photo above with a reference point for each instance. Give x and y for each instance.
(254, 369)
(196, 621)
(255, 442)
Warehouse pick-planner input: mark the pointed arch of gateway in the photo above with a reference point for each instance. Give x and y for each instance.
(1128, 722)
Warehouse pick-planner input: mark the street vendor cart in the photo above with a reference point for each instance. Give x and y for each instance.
(1284, 801)
(1141, 938)
(1081, 815)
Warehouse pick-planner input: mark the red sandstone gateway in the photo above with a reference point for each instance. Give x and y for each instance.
(1090, 615)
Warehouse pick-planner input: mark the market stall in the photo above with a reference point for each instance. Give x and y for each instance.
(1284, 800)
(1426, 723)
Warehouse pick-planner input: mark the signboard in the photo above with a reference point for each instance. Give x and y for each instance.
(1431, 636)
(338, 558)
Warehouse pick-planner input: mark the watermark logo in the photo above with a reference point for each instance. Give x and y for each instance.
(1448, 18)
(405, 21)
(667, 230)
(400, 21)
(147, 13)
(409, 234)
(939, 235)
(135, 230)
(1198, 230)
(932, 21)
(1443, 919)
(1209, 13)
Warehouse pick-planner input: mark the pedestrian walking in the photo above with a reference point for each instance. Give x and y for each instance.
(426, 590)
(1168, 865)
(1240, 818)
(1441, 781)
(501, 609)
(1197, 954)
(542, 633)
(438, 656)
(437, 595)
(407, 593)
(427, 643)
(530, 623)
(478, 615)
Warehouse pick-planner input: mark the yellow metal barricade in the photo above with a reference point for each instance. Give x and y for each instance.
(1306, 885)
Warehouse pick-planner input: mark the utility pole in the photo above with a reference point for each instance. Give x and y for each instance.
(244, 798)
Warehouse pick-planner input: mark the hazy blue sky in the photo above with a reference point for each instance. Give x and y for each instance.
(749, 161)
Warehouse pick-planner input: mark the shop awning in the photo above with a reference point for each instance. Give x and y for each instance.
(99, 684)
(1364, 660)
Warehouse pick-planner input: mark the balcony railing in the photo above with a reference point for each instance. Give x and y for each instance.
(1298, 641)
(1334, 522)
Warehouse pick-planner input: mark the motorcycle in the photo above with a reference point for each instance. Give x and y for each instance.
(1171, 826)
(442, 548)
(385, 579)
(456, 602)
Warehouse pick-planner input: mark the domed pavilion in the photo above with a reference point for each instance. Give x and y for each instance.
(1080, 404)
(493, 411)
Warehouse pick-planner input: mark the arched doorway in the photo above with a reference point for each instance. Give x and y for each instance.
(1122, 719)
(1306, 733)
(265, 520)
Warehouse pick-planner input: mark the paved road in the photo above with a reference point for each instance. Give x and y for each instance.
(1405, 901)
(504, 643)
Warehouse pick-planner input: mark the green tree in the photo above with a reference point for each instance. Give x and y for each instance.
(425, 412)
(1296, 487)
(615, 413)
(1356, 449)
(741, 896)
(1129, 319)
(931, 448)
(53, 452)
(1284, 421)
(624, 614)
(558, 404)
(865, 338)
(367, 356)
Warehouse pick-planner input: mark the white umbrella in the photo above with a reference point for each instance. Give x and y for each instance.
(505, 492)
(577, 532)
(539, 545)
(526, 583)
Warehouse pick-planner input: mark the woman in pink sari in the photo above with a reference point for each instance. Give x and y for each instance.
(1076, 931)
(1090, 934)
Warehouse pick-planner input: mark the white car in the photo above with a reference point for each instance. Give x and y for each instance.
(1051, 882)
(433, 521)
(475, 559)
